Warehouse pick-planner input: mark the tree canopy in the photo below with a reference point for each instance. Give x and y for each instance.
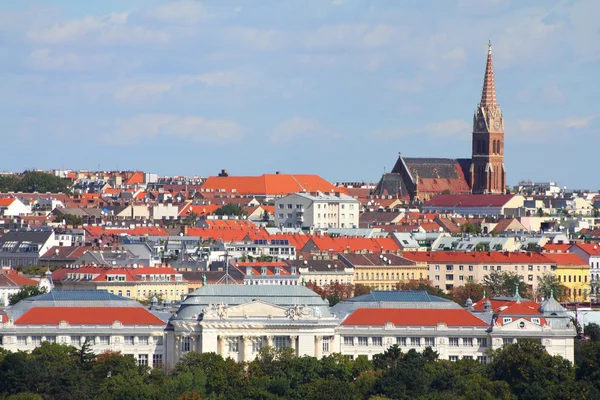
(522, 370)
(34, 181)
(230, 210)
(25, 292)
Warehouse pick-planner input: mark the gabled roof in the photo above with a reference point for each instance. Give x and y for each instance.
(589, 248)
(566, 259)
(5, 202)
(88, 316)
(13, 278)
(412, 317)
(399, 296)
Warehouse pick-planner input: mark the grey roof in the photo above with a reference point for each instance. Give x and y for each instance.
(232, 295)
(78, 295)
(399, 295)
(392, 299)
(37, 237)
(551, 306)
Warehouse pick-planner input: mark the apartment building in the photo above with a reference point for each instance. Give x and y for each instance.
(317, 211)
(382, 271)
(454, 268)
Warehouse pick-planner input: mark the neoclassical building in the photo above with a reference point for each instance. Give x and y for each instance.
(238, 320)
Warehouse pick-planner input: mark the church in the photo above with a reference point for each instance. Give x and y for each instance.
(483, 173)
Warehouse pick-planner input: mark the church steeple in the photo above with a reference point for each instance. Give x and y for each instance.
(488, 174)
(488, 93)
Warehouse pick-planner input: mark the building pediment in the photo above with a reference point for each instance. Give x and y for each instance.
(256, 309)
(519, 325)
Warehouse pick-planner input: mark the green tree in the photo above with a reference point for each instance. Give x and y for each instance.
(230, 210)
(593, 331)
(540, 212)
(595, 212)
(69, 219)
(265, 216)
(502, 283)
(25, 292)
(548, 283)
(530, 371)
(422, 284)
(360, 289)
(42, 182)
(8, 183)
(468, 227)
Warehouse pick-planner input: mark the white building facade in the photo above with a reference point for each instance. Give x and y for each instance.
(317, 211)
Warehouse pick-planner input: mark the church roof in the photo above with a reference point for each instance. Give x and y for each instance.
(488, 92)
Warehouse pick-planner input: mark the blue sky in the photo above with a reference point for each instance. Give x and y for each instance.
(336, 88)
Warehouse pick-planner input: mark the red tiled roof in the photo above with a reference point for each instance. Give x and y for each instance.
(14, 278)
(557, 248)
(566, 259)
(477, 257)
(347, 243)
(412, 317)
(65, 252)
(589, 248)
(269, 184)
(469, 200)
(88, 316)
(136, 178)
(5, 202)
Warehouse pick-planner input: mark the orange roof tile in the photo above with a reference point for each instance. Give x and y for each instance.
(412, 317)
(136, 178)
(88, 316)
(589, 248)
(477, 257)
(566, 259)
(269, 184)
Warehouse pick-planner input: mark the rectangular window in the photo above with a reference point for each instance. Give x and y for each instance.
(453, 358)
(415, 341)
(468, 342)
(348, 341)
(363, 341)
(429, 341)
(142, 359)
(282, 342)
(51, 339)
(377, 341)
(143, 340)
(467, 357)
(36, 340)
(535, 320)
(233, 344)
(506, 320)
(482, 359)
(158, 340)
(128, 340)
(461, 268)
(470, 268)
(157, 361)
(186, 344)
(326, 345)
(508, 340)
(76, 340)
(437, 267)
(482, 342)
(257, 344)
(453, 341)
(22, 340)
(105, 340)
(401, 341)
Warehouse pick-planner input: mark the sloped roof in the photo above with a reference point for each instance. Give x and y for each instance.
(412, 317)
(469, 200)
(12, 278)
(566, 259)
(88, 316)
(398, 295)
(269, 184)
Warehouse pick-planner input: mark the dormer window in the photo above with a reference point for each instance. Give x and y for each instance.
(535, 320)
(277, 270)
(263, 270)
(506, 320)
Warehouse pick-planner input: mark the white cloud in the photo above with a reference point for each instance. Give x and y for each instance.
(141, 91)
(56, 60)
(408, 85)
(219, 79)
(527, 129)
(178, 12)
(454, 128)
(258, 39)
(302, 129)
(140, 128)
(109, 29)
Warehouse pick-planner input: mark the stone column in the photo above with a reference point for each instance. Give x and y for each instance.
(318, 346)
(221, 344)
(294, 344)
(270, 340)
(247, 348)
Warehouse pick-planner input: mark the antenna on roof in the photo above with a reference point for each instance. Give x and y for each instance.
(227, 279)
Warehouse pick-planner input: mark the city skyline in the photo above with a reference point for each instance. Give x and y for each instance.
(333, 88)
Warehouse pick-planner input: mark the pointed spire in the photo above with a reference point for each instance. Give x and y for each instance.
(488, 93)
(517, 295)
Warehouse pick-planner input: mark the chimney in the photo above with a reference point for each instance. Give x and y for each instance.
(276, 172)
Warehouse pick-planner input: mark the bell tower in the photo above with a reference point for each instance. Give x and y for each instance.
(488, 175)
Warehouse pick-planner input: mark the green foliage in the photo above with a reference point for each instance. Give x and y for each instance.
(69, 219)
(548, 283)
(34, 181)
(422, 284)
(230, 209)
(523, 370)
(593, 331)
(360, 289)
(468, 227)
(502, 283)
(469, 290)
(25, 292)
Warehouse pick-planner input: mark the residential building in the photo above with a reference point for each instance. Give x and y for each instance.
(23, 248)
(382, 271)
(107, 322)
(62, 256)
(238, 320)
(477, 204)
(13, 207)
(131, 282)
(324, 272)
(455, 268)
(317, 211)
(590, 253)
(573, 273)
(11, 282)
(264, 273)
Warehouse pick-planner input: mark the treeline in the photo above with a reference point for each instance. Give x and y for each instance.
(523, 370)
(33, 181)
